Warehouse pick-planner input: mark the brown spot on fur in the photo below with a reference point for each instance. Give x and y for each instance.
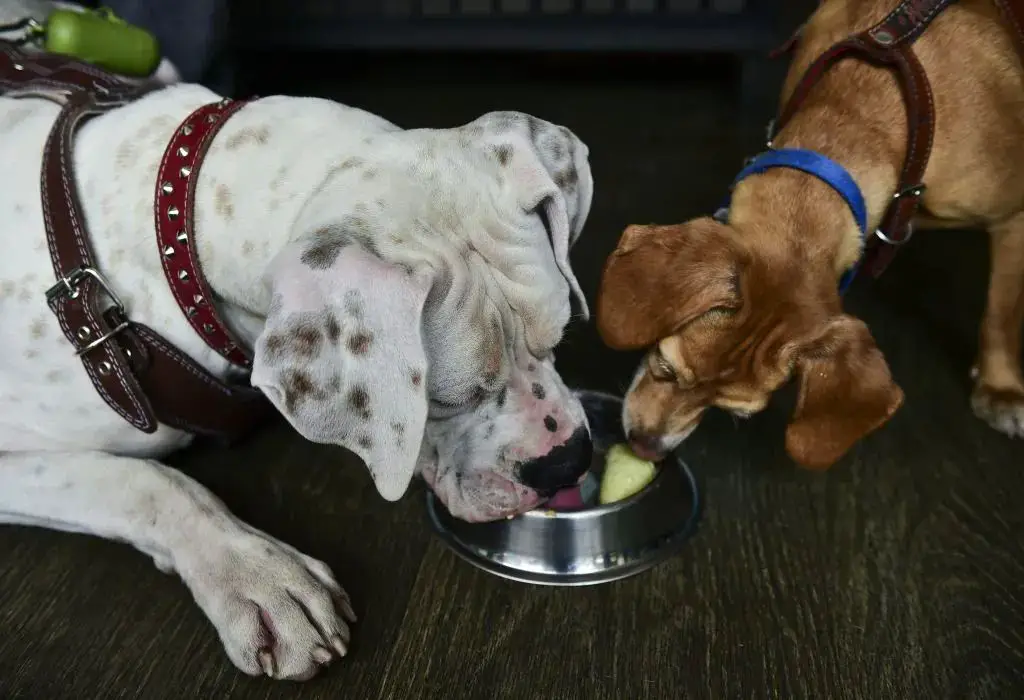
(417, 378)
(566, 179)
(249, 135)
(307, 340)
(503, 153)
(298, 387)
(222, 203)
(354, 304)
(275, 345)
(347, 164)
(37, 329)
(327, 245)
(359, 401)
(333, 329)
(360, 343)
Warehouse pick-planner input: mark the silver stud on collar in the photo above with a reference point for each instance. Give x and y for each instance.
(183, 151)
(167, 188)
(172, 213)
(105, 368)
(84, 332)
(198, 299)
(185, 172)
(208, 328)
(183, 275)
(168, 251)
(186, 130)
(182, 237)
(191, 311)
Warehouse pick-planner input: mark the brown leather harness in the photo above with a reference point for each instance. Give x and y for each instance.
(140, 375)
(890, 44)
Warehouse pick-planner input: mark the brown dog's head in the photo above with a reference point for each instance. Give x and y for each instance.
(727, 324)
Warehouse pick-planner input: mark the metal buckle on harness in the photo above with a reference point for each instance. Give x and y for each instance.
(915, 191)
(68, 286)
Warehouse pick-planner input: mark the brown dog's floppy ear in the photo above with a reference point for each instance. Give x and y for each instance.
(662, 277)
(846, 392)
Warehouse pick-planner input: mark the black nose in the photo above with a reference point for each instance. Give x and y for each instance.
(561, 467)
(646, 446)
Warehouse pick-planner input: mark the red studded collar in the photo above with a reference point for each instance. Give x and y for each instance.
(175, 227)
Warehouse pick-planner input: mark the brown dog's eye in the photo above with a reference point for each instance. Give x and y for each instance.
(660, 368)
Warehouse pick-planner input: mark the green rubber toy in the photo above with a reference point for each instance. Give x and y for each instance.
(102, 38)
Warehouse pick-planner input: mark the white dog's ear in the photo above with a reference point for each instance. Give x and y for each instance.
(551, 167)
(342, 357)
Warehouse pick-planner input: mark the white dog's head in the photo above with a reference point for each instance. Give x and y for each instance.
(415, 313)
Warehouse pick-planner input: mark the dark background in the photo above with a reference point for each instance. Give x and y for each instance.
(898, 574)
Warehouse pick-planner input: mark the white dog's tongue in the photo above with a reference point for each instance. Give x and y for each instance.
(567, 499)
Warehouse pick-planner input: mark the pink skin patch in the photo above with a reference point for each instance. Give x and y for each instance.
(539, 406)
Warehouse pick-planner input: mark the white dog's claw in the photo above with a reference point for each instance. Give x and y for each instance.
(276, 610)
(266, 662)
(346, 609)
(339, 645)
(322, 656)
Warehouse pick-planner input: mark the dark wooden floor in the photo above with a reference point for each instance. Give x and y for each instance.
(899, 574)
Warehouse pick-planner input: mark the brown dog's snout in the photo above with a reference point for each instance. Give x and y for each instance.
(646, 445)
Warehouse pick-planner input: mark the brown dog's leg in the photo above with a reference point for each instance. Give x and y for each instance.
(999, 386)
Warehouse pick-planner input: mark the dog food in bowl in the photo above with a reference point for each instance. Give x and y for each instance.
(576, 540)
(622, 475)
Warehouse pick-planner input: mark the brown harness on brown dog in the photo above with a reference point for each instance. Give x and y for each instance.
(140, 375)
(889, 44)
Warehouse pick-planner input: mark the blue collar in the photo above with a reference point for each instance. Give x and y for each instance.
(823, 168)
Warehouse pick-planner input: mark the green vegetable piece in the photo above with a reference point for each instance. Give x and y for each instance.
(625, 474)
(103, 39)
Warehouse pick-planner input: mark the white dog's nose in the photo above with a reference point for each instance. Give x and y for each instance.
(561, 467)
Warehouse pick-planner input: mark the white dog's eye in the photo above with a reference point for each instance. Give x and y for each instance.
(454, 407)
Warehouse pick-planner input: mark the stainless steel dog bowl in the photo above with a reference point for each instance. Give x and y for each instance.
(583, 547)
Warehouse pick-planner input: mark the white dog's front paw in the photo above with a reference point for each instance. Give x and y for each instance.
(278, 612)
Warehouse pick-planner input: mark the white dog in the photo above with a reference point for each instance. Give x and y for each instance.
(417, 280)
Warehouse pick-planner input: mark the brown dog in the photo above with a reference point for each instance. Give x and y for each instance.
(734, 311)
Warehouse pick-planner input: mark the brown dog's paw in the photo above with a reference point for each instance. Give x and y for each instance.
(1003, 409)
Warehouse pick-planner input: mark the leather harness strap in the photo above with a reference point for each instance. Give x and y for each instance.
(139, 374)
(888, 44)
